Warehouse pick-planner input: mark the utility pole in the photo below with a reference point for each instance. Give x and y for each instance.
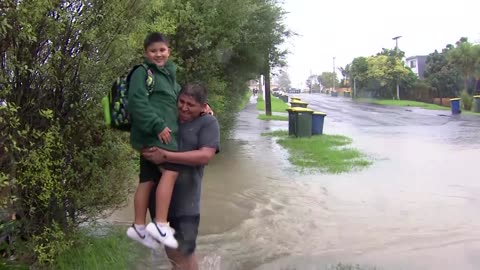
(311, 83)
(354, 87)
(267, 97)
(396, 49)
(260, 88)
(333, 79)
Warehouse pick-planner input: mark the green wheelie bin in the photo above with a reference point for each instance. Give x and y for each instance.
(299, 104)
(291, 122)
(303, 121)
(294, 99)
(476, 104)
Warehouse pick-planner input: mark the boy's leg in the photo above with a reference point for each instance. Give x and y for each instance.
(160, 229)
(137, 232)
(140, 202)
(164, 195)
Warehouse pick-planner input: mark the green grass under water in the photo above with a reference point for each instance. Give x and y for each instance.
(328, 153)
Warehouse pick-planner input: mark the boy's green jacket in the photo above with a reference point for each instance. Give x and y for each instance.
(152, 112)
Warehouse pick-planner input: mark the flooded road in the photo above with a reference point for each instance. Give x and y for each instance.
(416, 207)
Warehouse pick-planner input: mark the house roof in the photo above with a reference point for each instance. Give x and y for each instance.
(416, 57)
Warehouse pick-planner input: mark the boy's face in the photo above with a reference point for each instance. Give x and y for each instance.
(157, 53)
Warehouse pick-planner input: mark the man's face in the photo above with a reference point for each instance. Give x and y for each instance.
(188, 108)
(157, 53)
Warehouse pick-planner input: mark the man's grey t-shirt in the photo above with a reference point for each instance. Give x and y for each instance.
(201, 132)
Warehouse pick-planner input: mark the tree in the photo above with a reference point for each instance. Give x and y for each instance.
(271, 16)
(59, 164)
(378, 75)
(284, 80)
(345, 72)
(465, 56)
(358, 74)
(395, 53)
(326, 79)
(387, 71)
(442, 75)
(313, 83)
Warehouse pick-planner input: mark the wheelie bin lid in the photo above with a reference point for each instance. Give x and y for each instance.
(319, 113)
(452, 99)
(297, 109)
(298, 102)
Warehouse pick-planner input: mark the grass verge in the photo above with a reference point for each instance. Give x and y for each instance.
(326, 152)
(277, 104)
(404, 103)
(245, 100)
(272, 117)
(470, 113)
(111, 251)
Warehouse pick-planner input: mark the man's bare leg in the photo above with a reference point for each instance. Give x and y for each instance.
(180, 261)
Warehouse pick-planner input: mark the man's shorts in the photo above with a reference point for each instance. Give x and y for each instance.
(151, 172)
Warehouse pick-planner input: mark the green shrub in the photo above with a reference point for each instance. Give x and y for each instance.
(467, 100)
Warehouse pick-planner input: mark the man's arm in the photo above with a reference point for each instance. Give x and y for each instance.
(192, 158)
(209, 141)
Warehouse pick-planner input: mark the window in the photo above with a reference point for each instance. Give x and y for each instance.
(413, 64)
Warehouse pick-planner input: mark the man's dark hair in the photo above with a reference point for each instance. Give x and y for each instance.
(154, 37)
(195, 90)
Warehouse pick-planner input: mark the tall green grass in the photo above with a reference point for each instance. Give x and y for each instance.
(111, 251)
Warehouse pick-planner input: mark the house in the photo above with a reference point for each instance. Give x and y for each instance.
(417, 64)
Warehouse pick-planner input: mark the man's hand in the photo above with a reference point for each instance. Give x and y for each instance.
(154, 154)
(164, 136)
(208, 110)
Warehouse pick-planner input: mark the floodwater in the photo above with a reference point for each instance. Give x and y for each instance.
(416, 207)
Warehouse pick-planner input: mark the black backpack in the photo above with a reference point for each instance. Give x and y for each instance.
(115, 104)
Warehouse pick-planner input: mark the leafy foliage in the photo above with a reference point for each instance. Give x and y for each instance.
(327, 79)
(59, 165)
(466, 58)
(377, 76)
(442, 75)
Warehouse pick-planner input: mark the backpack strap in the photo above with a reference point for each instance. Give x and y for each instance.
(150, 81)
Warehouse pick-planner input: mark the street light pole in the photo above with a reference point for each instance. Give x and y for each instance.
(333, 79)
(396, 50)
(396, 42)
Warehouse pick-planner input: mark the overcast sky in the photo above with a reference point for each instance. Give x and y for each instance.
(350, 28)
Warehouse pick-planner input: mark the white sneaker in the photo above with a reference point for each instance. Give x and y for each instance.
(162, 233)
(144, 239)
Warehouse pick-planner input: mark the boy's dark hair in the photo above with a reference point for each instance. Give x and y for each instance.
(154, 37)
(195, 90)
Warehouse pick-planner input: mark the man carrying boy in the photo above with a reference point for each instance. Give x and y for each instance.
(199, 141)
